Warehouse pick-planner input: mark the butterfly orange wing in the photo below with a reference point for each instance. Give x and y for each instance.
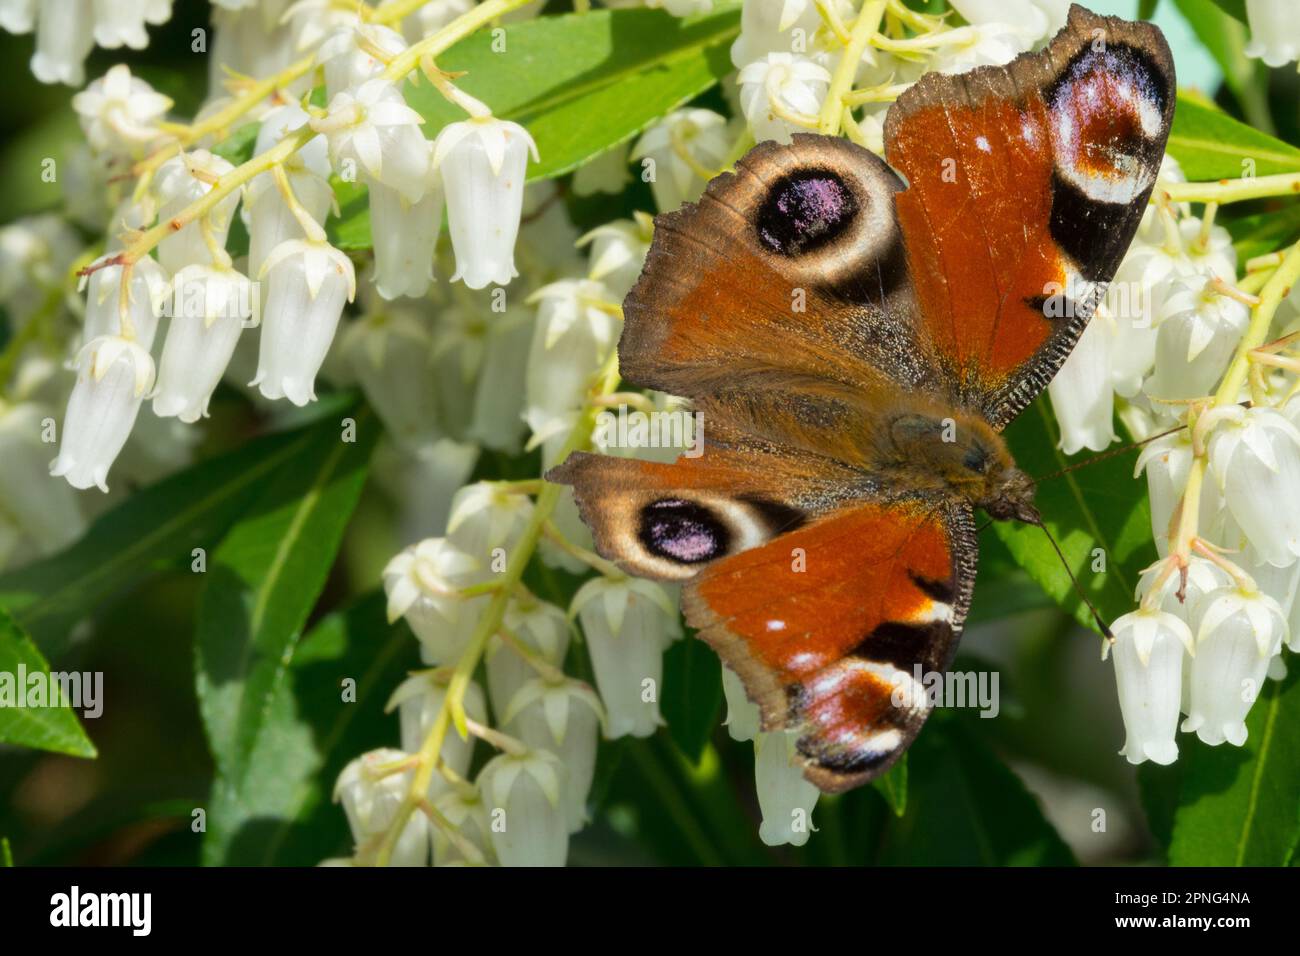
(1026, 184)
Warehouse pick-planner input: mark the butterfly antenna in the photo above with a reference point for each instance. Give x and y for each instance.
(1109, 453)
(1096, 615)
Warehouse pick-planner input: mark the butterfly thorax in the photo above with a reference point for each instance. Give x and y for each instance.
(960, 453)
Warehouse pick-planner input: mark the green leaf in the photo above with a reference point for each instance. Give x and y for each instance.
(1240, 806)
(692, 695)
(1265, 232)
(579, 83)
(1147, 9)
(1099, 506)
(893, 786)
(1233, 8)
(237, 148)
(153, 528)
(53, 728)
(261, 583)
(6, 853)
(967, 809)
(283, 814)
(1209, 144)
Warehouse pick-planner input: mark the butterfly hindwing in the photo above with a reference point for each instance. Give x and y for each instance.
(1026, 183)
(829, 624)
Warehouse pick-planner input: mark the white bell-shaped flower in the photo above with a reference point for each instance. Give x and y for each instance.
(17, 16)
(432, 17)
(785, 798)
(348, 55)
(120, 113)
(543, 630)
(374, 135)
(35, 254)
(46, 511)
(1197, 335)
(1148, 652)
(562, 718)
(982, 44)
(1238, 631)
(744, 720)
(113, 376)
(423, 584)
(700, 133)
(418, 700)
(626, 625)
(573, 336)
(498, 419)
(210, 307)
(768, 26)
(1167, 462)
(482, 162)
(371, 799)
(1255, 457)
(464, 810)
(391, 354)
(1081, 394)
(618, 251)
(606, 174)
(1038, 19)
(1274, 32)
(404, 235)
(524, 797)
(308, 284)
(64, 38)
(145, 301)
(781, 84)
(266, 214)
(486, 517)
(180, 181)
(121, 23)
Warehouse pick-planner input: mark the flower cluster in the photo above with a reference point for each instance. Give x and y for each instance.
(494, 755)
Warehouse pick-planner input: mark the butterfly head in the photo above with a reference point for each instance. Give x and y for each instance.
(1012, 498)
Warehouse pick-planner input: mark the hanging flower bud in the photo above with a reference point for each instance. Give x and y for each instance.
(1198, 333)
(307, 286)
(498, 420)
(348, 55)
(573, 336)
(391, 354)
(743, 717)
(1167, 462)
(120, 113)
(404, 235)
(1274, 36)
(785, 798)
(983, 44)
(267, 215)
(463, 809)
(523, 797)
(562, 718)
(1037, 19)
(1255, 455)
(17, 16)
(121, 23)
(371, 799)
(626, 624)
(46, 511)
(1148, 652)
(618, 251)
(372, 131)
(777, 86)
(180, 181)
(1081, 394)
(541, 628)
(485, 517)
(210, 309)
(768, 28)
(104, 300)
(1238, 631)
(482, 162)
(418, 700)
(64, 38)
(113, 375)
(702, 134)
(423, 584)
(605, 174)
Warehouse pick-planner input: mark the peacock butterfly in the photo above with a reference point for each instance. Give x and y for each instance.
(826, 537)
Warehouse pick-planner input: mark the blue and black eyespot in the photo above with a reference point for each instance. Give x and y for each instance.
(804, 211)
(683, 531)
